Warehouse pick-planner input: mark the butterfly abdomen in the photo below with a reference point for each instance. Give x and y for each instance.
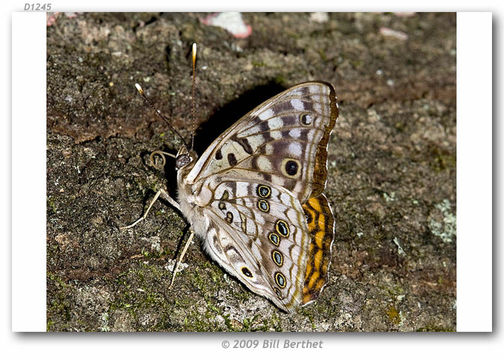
(321, 229)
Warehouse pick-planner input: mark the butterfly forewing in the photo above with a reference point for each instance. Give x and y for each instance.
(279, 141)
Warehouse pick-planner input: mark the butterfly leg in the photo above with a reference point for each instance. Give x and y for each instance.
(164, 195)
(177, 263)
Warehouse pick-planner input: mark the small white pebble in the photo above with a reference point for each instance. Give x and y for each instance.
(399, 35)
(232, 21)
(320, 17)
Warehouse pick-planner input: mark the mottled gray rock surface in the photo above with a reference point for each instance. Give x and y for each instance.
(391, 167)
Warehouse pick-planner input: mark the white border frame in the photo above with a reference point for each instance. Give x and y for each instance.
(474, 172)
(29, 172)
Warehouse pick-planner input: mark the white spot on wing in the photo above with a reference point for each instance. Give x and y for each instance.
(241, 189)
(253, 130)
(275, 123)
(297, 104)
(266, 114)
(276, 135)
(297, 91)
(295, 133)
(264, 164)
(295, 149)
(255, 141)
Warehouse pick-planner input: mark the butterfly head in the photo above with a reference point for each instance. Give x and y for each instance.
(185, 158)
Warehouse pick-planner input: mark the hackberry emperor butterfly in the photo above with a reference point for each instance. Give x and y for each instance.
(255, 195)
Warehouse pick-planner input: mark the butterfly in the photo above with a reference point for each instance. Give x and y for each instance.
(255, 196)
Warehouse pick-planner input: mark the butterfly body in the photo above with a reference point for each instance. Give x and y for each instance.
(255, 195)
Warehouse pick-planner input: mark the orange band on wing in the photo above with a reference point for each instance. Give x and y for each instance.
(321, 228)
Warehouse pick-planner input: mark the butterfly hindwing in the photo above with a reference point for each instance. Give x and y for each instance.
(262, 236)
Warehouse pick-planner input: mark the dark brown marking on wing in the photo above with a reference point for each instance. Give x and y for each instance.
(244, 143)
(232, 159)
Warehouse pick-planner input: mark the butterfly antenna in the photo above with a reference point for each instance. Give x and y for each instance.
(158, 113)
(193, 91)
